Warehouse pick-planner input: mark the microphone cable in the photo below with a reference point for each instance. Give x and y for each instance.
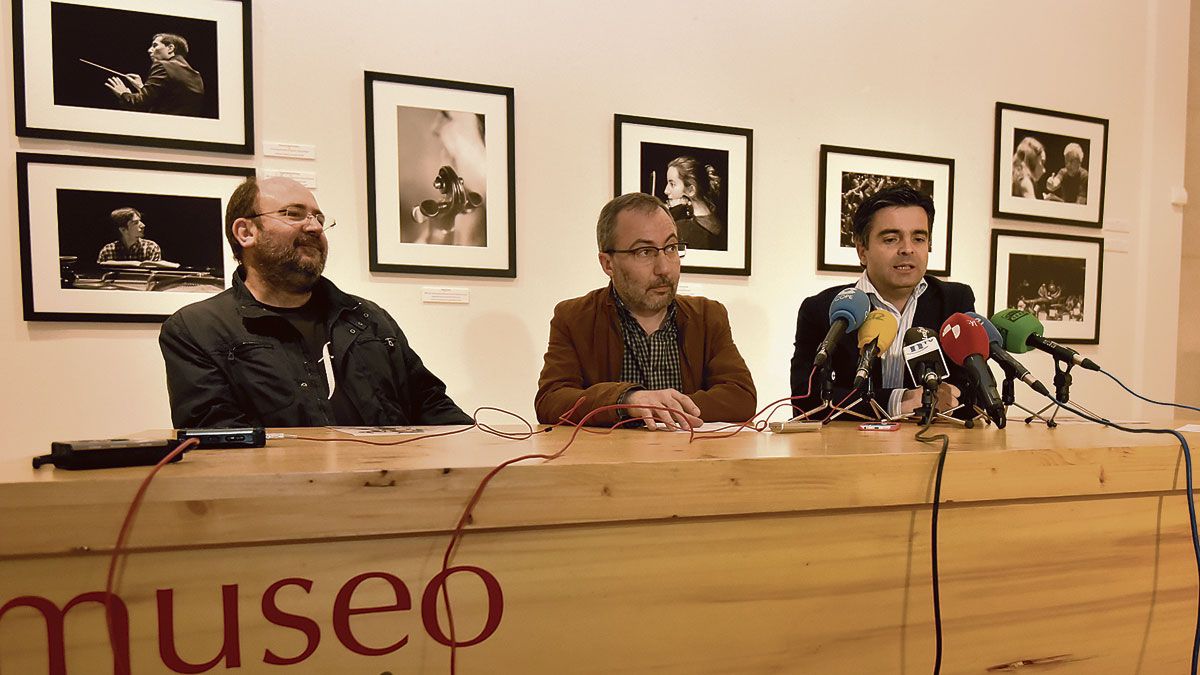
(1191, 500)
(933, 532)
(1147, 400)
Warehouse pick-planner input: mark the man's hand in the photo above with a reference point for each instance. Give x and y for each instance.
(117, 86)
(683, 412)
(947, 398)
(135, 79)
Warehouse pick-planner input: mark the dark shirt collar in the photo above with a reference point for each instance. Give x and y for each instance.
(250, 307)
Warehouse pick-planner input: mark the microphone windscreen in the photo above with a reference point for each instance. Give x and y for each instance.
(1015, 326)
(879, 325)
(852, 305)
(994, 336)
(962, 336)
(916, 334)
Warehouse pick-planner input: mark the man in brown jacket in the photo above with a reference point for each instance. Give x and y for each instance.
(635, 343)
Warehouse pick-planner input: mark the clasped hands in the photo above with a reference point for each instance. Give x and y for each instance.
(681, 412)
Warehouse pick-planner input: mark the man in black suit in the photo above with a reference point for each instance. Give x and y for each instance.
(173, 86)
(892, 234)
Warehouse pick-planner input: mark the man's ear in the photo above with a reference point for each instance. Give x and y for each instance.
(862, 252)
(606, 263)
(245, 231)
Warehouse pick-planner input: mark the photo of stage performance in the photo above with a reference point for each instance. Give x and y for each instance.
(1049, 287)
(126, 60)
(139, 242)
(858, 186)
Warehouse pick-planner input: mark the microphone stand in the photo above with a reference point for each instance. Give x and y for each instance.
(1008, 397)
(824, 381)
(1062, 393)
(868, 394)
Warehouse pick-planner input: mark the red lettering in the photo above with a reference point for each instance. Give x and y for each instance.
(342, 612)
(55, 639)
(230, 647)
(272, 613)
(429, 607)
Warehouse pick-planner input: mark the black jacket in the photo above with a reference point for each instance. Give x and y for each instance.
(173, 87)
(232, 362)
(936, 304)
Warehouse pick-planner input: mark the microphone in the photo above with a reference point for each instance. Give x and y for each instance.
(965, 342)
(923, 356)
(876, 334)
(1010, 366)
(1022, 331)
(846, 313)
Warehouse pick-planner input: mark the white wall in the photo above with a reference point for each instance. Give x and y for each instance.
(920, 77)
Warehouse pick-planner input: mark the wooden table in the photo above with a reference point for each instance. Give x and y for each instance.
(1063, 551)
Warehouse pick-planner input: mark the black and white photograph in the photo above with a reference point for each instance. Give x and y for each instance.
(1049, 166)
(120, 240)
(111, 71)
(702, 172)
(1055, 277)
(689, 180)
(441, 199)
(850, 175)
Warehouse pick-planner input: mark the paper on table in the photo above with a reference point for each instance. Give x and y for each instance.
(378, 431)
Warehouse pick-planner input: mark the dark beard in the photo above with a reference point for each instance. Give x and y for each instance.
(282, 266)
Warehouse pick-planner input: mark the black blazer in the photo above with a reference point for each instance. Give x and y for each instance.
(936, 304)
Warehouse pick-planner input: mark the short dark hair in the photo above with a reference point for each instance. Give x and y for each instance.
(176, 41)
(630, 201)
(891, 195)
(243, 203)
(121, 217)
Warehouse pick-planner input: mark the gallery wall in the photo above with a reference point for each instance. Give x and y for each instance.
(920, 77)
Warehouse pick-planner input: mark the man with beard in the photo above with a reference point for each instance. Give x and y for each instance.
(173, 86)
(635, 343)
(284, 347)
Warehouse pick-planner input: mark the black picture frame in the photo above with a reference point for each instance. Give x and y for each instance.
(63, 207)
(63, 53)
(1063, 278)
(1051, 194)
(644, 146)
(861, 170)
(418, 221)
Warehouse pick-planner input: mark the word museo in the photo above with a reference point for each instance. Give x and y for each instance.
(118, 614)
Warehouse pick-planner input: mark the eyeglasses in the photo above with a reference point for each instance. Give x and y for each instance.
(648, 253)
(298, 215)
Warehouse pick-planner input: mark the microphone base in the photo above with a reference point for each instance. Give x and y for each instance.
(1055, 406)
(880, 415)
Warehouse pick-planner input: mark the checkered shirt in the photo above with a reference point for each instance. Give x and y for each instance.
(143, 249)
(650, 360)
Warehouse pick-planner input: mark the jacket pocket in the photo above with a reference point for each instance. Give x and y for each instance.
(260, 374)
(376, 385)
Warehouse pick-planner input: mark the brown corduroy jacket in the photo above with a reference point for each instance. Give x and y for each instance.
(584, 355)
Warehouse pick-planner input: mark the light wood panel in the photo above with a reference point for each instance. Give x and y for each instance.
(639, 553)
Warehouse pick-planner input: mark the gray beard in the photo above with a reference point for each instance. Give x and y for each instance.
(285, 269)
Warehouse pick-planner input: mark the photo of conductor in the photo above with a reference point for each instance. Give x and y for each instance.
(1049, 287)
(692, 181)
(856, 187)
(139, 242)
(137, 61)
(442, 176)
(1050, 167)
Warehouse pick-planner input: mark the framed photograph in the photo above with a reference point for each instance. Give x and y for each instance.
(170, 75)
(850, 175)
(1050, 166)
(703, 172)
(1055, 277)
(441, 198)
(120, 239)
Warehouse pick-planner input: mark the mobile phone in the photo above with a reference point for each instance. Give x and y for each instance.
(107, 453)
(878, 426)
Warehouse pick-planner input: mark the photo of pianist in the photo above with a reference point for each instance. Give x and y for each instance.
(173, 87)
(130, 245)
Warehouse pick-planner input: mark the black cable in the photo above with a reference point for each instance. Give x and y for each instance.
(933, 532)
(1147, 400)
(1191, 501)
